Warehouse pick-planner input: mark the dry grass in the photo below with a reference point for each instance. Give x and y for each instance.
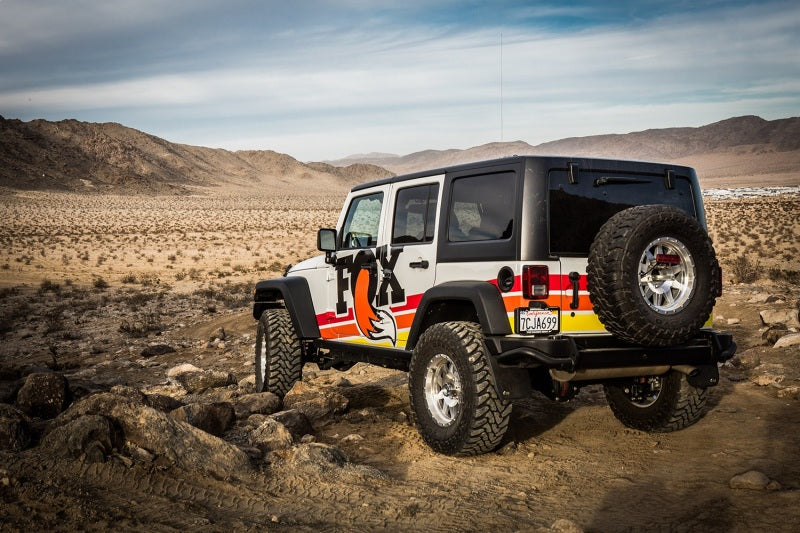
(756, 238)
(49, 241)
(155, 241)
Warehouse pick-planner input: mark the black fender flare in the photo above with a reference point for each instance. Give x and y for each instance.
(293, 291)
(484, 297)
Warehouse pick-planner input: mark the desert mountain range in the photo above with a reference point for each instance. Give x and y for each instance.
(70, 155)
(734, 152)
(80, 156)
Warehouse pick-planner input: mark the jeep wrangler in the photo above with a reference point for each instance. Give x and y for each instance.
(488, 281)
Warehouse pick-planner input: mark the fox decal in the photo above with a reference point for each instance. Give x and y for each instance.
(362, 271)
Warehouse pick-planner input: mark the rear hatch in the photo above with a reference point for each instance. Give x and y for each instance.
(581, 202)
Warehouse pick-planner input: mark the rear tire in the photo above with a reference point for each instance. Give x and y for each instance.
(656, 403)
(456, 406)
(278, 357)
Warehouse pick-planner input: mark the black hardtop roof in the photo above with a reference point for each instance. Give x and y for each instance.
(585, 163)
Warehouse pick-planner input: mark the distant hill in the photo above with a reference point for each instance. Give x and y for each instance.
(70, 155)
(734, 152)
(79, 156)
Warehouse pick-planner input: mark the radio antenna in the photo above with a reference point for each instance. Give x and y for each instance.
(501, 86)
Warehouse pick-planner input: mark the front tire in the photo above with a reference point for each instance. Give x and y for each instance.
(278, 357)
(454, 397)
(656, 403)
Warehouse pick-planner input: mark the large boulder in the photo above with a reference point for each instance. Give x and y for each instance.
(271, 435)
(314, 401)
(262, 403)
(214, 418)
(162, 402)
(43, 395)
(15, 431)
(793, 339)
(195, 380)
(167, 439)
(157, 349)
(318, 457)
(89, 437)
(789, 317)
(8, 390)
(296, 422)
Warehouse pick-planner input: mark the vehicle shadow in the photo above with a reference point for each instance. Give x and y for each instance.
(534, 416)
(752, 431)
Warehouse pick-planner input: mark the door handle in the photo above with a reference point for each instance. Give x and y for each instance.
(574, 277)
(418, 264)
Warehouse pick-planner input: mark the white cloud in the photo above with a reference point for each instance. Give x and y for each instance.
(319, 91)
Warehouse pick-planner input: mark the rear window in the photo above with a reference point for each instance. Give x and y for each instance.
(578, 210)
(482, 208)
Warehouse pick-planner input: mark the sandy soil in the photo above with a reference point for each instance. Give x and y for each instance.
(562, 467)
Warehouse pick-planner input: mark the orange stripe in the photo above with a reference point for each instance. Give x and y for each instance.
(404, 321)
(345, 330)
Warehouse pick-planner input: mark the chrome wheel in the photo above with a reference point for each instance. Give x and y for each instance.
(643, 392)
(443, 390)
(667, 275)
(261, 361)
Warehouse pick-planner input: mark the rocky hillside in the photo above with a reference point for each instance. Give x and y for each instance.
(79, 156)
(738, 151)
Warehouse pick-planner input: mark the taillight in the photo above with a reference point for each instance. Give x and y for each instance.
(535, 282)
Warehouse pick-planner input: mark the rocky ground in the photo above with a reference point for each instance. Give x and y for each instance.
(127, 398)
(110, 420)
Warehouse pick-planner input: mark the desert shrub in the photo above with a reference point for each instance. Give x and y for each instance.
(205, 293)
(180, 276)
(49, 286)
(147, 323)
(134, 300)
(5, 292)
(149, 278)
(6, 324)
(744, 270)
(100, 283)
(129, 278)
(780, 274)
(235, 295)
(54, 319)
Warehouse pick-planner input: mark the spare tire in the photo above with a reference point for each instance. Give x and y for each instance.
(653, 276)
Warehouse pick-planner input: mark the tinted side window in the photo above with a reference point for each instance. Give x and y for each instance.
(578, 210)
(481, 208)
(360, 229)
(415, 214)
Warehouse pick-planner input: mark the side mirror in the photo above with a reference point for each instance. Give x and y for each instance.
(326, 240)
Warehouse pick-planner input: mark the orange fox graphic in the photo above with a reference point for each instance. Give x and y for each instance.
(375, 324)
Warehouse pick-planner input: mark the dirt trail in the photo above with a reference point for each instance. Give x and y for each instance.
(562, 466)
(572, 461)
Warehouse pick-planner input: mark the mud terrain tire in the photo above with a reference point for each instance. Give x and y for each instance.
(674, 405)
(456, 406)
(278, 360)
(652, 275)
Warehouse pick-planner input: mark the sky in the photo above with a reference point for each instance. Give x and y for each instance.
(324, 79)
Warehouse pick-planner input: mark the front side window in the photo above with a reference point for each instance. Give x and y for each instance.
(481, 208)
(415, 214)
(360, 229)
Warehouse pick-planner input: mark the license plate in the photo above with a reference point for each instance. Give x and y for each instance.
(537, 320)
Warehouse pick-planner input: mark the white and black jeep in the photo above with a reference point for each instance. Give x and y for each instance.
(489, 280)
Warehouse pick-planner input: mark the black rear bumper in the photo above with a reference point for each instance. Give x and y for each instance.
(582, 352)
